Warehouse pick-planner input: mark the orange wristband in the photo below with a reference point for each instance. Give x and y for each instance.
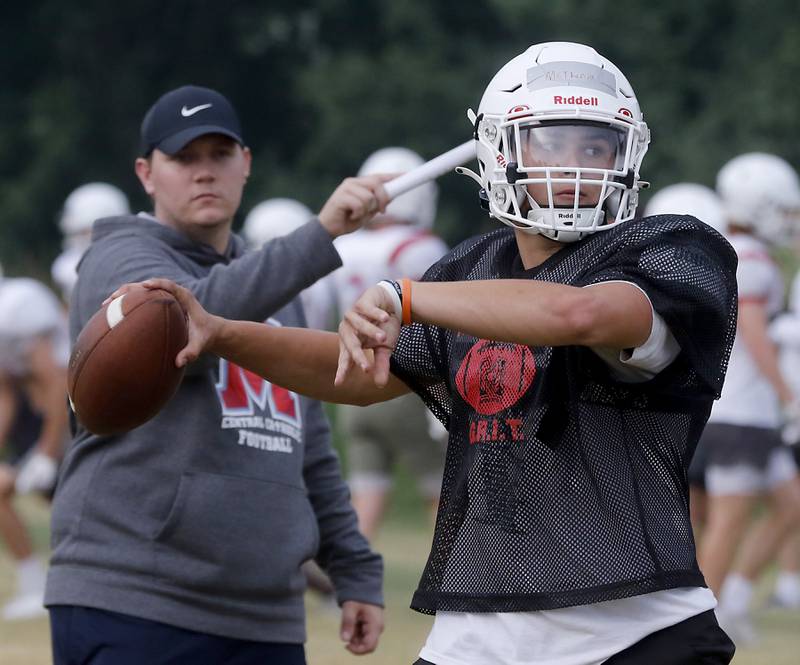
(406, 285)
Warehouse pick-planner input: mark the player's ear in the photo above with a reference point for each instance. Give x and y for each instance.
(143, 169)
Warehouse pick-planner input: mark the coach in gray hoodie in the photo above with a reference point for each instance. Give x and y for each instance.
(182, 540)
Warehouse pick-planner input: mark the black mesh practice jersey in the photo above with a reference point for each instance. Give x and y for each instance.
(563, 485)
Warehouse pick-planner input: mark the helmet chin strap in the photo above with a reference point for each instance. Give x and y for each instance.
(550, 217)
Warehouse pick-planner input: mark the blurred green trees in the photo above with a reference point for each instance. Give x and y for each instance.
(321, 84)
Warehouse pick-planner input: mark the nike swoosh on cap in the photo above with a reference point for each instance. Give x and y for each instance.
(186, 113)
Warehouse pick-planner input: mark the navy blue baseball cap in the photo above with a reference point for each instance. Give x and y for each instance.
(183, 114)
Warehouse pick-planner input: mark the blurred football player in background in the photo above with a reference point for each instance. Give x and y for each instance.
(278, 217)
(746, 457)
(82, 207)
(398, 243)
(34, 350)
(785, 331)
(395, 244)
(689, 198)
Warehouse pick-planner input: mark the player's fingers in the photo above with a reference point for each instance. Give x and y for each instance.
(343, 364)
(181, 294)
(382, 365)
(166, 285)
(188, 354)
(195, 345)
(353, 344)
(121, 291)
(364, 327)
(370, 310)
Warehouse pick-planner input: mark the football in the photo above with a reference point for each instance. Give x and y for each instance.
(122, 368)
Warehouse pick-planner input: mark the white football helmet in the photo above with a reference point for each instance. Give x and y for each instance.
(417, 206)
(85, 205)
(760, 192)
(274, 218)
(688, 198)
(561, 124)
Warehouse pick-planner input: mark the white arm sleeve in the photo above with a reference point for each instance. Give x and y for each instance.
(646, 360)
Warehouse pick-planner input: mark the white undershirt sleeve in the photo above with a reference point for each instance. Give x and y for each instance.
(646, 360)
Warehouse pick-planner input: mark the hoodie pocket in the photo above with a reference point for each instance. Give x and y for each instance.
(236, 536)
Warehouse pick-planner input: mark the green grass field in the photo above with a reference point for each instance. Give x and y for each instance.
(403, 542)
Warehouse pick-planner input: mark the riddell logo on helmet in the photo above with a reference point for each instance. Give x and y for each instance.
(581, 101)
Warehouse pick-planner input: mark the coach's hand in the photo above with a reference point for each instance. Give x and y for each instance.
(353, 203)
(362, 625)
(371, 323)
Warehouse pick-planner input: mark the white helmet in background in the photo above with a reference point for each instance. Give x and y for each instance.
(760, 192)
(274, 218)
(578, 114)
(417, 206)
(88, 203)
(688, 198)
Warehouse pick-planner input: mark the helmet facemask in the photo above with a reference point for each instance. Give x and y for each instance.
(562, 177)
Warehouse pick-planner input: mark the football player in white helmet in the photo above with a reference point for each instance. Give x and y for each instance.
(34, 351)
(746, 458)
(416, 207)
(274, 218)
(396, 243)
(82, 207)
(689, 198)
(761, 193)
(574, 359)
(785, 331)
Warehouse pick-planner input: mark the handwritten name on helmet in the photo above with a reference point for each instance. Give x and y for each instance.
(572, 99)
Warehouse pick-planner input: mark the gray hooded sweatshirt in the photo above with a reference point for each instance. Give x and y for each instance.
(201, 517)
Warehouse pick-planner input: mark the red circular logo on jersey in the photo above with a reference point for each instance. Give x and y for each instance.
(495, 375)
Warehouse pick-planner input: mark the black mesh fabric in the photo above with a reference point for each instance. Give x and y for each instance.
(562, 485)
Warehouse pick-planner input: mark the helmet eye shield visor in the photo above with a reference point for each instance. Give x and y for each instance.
(570, 146)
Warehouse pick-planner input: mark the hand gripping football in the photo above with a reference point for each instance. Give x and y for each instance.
(122, 369)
